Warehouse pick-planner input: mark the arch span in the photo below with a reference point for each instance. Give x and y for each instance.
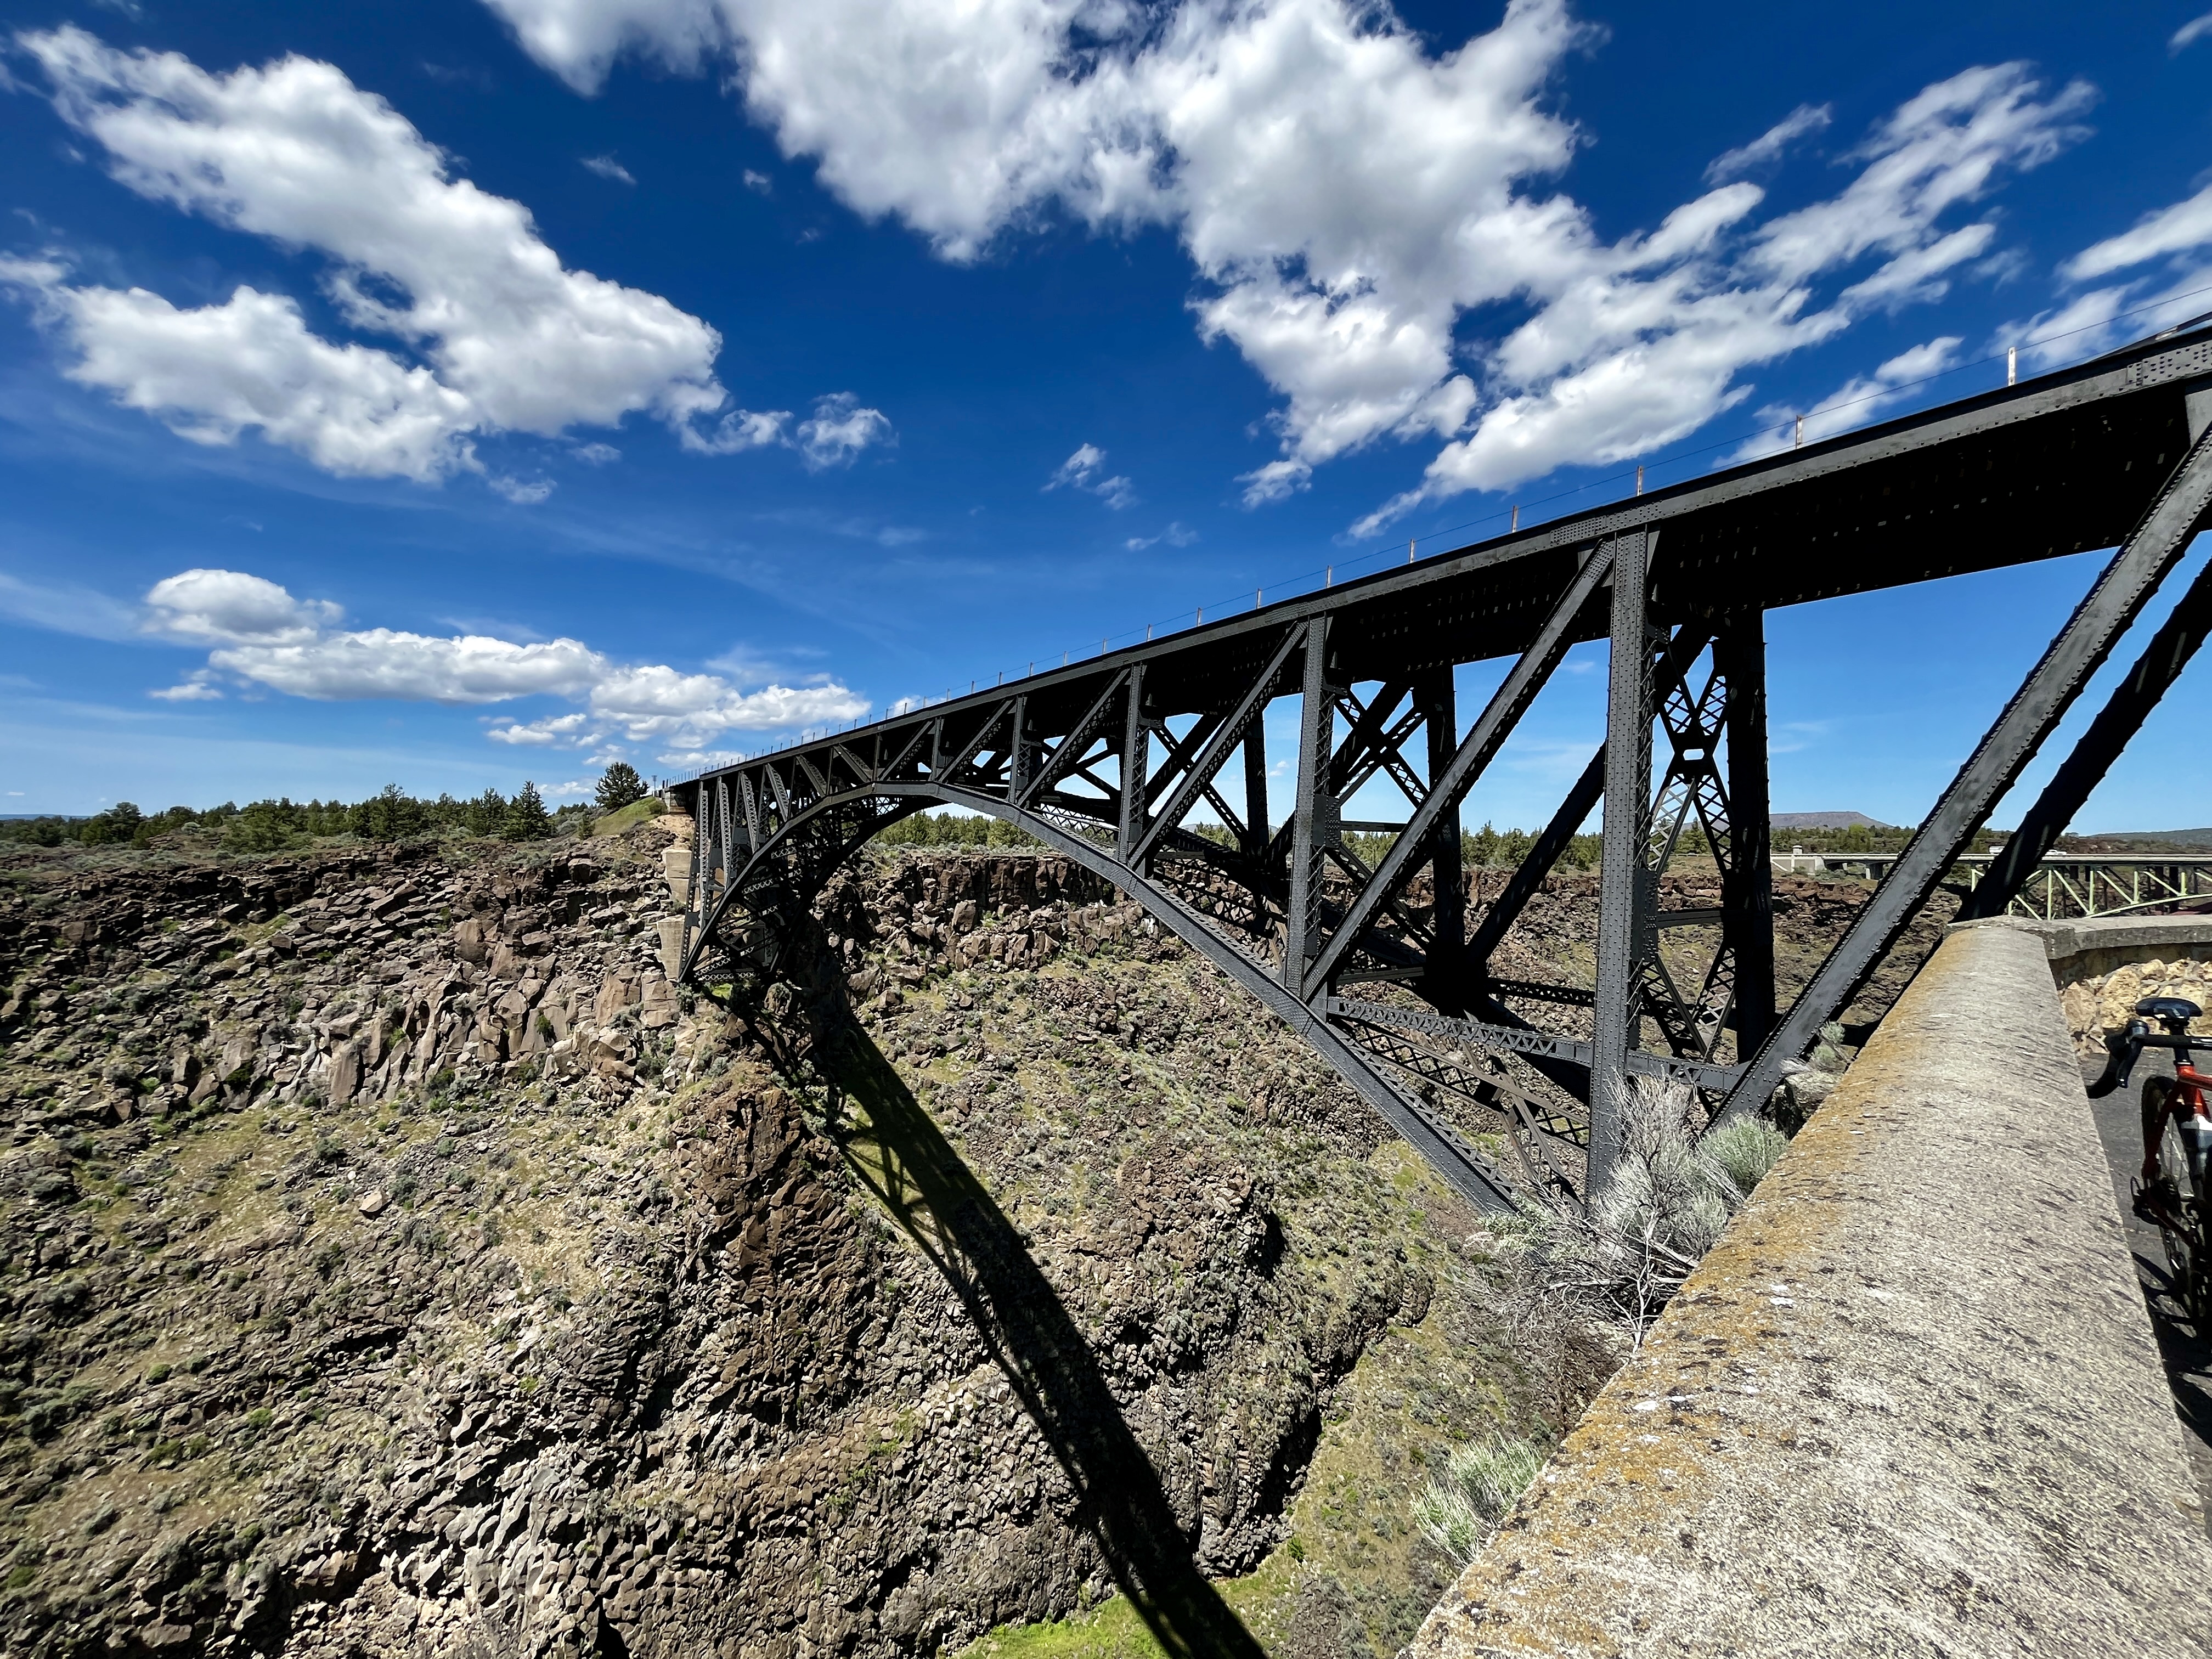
(1108, 759)
(1474, 1175)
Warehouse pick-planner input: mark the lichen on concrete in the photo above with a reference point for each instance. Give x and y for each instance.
(1909, 1405)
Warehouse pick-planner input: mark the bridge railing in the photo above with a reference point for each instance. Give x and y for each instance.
(2063, 886)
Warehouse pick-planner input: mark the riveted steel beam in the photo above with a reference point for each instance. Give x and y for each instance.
(1491, 729)
(2092, 755)
(1748, 878)
(2118, 597)
(1622, 898)
(1136, 760)
(1313, 819)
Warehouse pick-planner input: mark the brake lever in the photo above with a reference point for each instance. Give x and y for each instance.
(2122, 1050)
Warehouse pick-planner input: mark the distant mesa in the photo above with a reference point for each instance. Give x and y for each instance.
(2177, 837)
(1826, 821)
(2137, 840)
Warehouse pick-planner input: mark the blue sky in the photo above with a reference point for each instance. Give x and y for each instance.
(460, 394)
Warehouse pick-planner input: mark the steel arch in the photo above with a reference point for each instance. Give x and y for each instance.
(1471, 1173)
(1103, 758)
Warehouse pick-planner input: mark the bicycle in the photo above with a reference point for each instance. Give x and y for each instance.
(2170, 1190)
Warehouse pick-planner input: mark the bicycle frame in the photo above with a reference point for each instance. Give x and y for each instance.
(2184, 1219)
(2188, 1110)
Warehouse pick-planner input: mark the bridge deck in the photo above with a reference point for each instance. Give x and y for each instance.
(2063, 463)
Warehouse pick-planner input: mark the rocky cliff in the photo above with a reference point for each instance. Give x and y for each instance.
(395, 1263)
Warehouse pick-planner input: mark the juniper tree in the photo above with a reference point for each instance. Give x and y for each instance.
(526, 817)
(619, 785)
(486, 815)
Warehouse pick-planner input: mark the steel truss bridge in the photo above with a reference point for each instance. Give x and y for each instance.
(2063, 887)
(1507, 1086)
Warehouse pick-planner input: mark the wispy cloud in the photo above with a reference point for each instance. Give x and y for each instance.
(1085, 470)
(836, 435)
(76, 611)
(607, 167)
(1855, 403)
(1175, 535)
(1770, 145)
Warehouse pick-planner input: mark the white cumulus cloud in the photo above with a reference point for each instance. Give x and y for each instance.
(578, 38)
(494, 333)
(263, 635)
(384, 662)
(1650, 341)
(228, 607)
(1348, 196)
(555, 728)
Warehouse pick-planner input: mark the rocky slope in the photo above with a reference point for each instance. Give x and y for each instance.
(395, 1263)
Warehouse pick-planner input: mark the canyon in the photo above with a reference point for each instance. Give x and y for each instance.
(395, 1262)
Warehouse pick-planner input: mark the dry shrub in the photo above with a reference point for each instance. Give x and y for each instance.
(1459, 1509)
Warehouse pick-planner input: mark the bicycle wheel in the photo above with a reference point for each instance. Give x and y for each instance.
(2184, 1235)
(2171, 1198)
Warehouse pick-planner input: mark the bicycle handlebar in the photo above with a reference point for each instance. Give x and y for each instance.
(2124, 1049)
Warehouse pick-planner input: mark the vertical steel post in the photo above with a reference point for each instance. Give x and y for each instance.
(1136, 758)
(715, 875)
(1620, 923)
(702, 851)
(1747, 886)
(1313, 818)
(1255, 787)
(2113, 602)
(1439, 709)
(1018, 769)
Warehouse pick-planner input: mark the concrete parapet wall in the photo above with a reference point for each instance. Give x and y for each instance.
(2087, 950)
(1909, 1404)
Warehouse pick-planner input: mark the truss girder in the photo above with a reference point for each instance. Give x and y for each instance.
(1678, 583)
(2142, 561)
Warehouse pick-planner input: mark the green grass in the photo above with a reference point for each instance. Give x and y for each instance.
(1112, 1630)
(637, 812)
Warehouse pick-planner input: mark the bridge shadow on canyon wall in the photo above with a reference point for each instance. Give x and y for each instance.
(890, 1143)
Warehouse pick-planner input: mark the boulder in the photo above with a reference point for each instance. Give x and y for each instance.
(345, 1073)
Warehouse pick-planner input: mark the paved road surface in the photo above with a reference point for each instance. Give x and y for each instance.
(2187, 1352)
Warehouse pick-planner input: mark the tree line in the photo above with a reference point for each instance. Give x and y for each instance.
(390, 815)
(1486, 848)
